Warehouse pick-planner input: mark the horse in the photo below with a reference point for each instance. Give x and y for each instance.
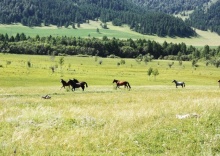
(122, 83)
(179, 83)
(219, 83)
(77, 85)
(64, 83)
(82, 82)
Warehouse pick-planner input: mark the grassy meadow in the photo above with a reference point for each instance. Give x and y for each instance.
(123, 32)
(102, 120)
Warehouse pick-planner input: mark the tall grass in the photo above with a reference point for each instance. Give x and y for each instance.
(102, 120)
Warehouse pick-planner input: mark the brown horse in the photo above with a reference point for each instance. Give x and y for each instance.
(64, 83)
(77, 85)
(122, 83)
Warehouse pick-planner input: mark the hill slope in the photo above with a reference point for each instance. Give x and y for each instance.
(206, 19)
(205, 13)
(120, 32)
(69, 12)
(171, 6)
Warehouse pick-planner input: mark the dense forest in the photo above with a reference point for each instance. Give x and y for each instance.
(70, 12)
(205, 15)
(206, 19)
(171, 6)
(139, 49)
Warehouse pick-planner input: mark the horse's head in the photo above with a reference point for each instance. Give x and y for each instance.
(174, 81)
(219, 81)
(115, 81)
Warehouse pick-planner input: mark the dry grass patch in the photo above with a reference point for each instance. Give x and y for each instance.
(103, 121)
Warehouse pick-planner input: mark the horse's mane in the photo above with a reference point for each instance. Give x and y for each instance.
(75, 80)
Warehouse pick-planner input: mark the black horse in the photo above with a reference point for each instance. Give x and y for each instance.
(82, 82)
(179, 83)
(75, 84)
(64, 83)
(122, 83)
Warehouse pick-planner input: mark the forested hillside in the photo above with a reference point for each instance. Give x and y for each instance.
(171, 6)
(70, 12)
(206, 19)
(205, 15)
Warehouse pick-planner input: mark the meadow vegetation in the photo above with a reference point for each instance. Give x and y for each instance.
(102, 120)
(120, 32)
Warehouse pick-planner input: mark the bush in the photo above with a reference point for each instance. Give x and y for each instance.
(81, 55)
(170, 57)
(61, 54)
(112, 56)
(122, 61)
(29, 64)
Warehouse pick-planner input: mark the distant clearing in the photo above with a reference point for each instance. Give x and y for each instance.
(123, 32)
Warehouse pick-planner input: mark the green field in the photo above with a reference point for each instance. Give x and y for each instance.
(123, 32)
(89, 69)
(102, 120)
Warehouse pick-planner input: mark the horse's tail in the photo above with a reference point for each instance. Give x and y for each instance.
(86, 84)
(129, 85)
(184, 84)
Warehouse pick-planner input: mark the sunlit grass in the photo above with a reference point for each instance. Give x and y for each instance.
(102, 120)
(87, 69)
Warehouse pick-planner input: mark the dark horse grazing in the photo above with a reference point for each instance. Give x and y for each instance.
(75, 84)
(219, 83)
(122, 83)
(179, 83)
(64, 83)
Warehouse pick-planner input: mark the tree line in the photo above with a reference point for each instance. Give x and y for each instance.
(139, 49)
(71, 12)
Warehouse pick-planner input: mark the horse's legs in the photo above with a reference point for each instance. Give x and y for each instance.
(73, 88)
(117, 86)
(62, 87)
(83, 87)
(126, 86)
